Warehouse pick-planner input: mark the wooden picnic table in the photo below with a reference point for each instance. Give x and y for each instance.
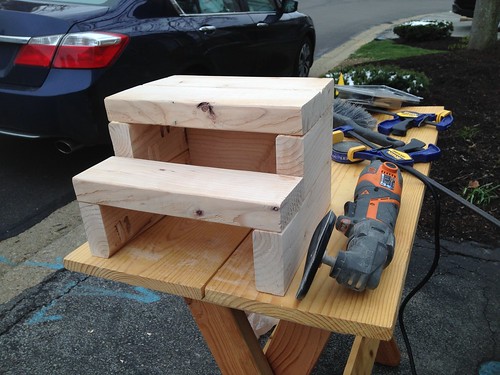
(211, 266)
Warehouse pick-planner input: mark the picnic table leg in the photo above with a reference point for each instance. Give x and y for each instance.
(362, 356)
(388, 353)
(230, 338)
(294, 349)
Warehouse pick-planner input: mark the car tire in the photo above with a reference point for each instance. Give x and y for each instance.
(304, 59)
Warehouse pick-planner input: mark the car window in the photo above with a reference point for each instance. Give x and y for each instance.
(188, 6)
(261, 5)
(154, 9)
(212, 6)
(208, 6)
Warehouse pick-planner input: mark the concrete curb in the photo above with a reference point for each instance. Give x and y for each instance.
(339, 54)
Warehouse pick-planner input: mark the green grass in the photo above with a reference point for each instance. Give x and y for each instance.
(481, 195)
(388, 50)
(468, 132)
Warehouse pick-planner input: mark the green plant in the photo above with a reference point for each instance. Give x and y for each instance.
(468, 132)
(410, 81)
(461, 44)
(424, 30)
(480, 194)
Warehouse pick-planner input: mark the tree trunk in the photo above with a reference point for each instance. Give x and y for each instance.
(484, 29)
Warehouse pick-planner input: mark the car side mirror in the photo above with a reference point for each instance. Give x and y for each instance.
(289, 6)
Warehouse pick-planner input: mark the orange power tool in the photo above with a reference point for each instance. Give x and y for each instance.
(369, 223)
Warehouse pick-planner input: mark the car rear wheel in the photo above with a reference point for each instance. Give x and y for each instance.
(304, 59)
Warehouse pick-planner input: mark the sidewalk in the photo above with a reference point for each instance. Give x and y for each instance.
(56, 321)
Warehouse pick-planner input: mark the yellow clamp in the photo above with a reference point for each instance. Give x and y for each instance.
(398, 155)
(439, 115)
(353, 150)
(337, 136)
(442, 114)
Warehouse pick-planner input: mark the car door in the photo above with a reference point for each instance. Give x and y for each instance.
(276, 36)
(224, 30)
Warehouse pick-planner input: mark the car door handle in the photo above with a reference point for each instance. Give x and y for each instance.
(207, 29)
(262, 24)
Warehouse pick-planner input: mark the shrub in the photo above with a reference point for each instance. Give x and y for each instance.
(412, 82)
(424, 30)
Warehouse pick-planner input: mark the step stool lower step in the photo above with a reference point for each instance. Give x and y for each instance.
(250, 199)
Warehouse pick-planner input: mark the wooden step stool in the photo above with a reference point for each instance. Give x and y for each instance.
(250, 152)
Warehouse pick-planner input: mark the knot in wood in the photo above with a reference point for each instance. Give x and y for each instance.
(207, 107)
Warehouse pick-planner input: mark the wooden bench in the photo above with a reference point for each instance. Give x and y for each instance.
(215, 275)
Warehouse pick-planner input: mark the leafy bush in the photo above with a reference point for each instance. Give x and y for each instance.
(412, 82)
(424, 30)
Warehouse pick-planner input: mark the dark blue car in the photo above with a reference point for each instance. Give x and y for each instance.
(60, 59)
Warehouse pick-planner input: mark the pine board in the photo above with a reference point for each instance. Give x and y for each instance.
(177, 256)
(162, 143)
(251, 199)
(263, 105)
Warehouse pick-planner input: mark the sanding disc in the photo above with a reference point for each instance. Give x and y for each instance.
(315, 253)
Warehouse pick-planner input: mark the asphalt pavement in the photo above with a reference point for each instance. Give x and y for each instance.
(56, 321)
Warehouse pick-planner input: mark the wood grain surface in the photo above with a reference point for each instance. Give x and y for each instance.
(243, 198)
(252, 104)
(327, 305)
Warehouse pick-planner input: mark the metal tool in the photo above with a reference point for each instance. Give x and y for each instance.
(359, 121)
(376, 95)
(404, 120)
(405, 161)
(369, 223)
(367, 135)
(439, 116)
(352, 152)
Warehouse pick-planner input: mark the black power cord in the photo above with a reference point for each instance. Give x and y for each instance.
(433, 187)
(432, 269)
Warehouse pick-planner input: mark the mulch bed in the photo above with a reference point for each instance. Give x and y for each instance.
(467, 83)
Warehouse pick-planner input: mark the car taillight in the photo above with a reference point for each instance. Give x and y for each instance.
(87, 50)
(39, 51)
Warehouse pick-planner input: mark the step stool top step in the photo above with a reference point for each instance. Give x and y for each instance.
(275, 83)
(252, 104)
(249, 199)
